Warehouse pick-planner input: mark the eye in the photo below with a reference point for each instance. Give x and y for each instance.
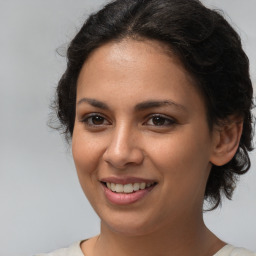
(160, 120)
(95, 120)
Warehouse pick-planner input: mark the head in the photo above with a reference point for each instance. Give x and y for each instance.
(206, 47)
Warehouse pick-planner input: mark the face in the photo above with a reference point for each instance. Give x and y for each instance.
(141, 143)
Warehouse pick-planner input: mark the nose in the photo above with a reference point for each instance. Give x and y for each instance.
(123, 148)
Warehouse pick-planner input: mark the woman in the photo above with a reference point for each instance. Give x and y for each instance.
(157, 101)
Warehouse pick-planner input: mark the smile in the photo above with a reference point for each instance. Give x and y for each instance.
(121, 192)
(128, 188)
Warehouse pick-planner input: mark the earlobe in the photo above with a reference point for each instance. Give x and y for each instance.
(226, 141)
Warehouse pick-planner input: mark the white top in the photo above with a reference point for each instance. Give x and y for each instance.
(75, 250)
(230, 250)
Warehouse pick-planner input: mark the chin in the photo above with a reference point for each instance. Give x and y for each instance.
(129, 226)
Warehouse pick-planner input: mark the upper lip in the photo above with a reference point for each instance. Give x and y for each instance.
(126, 180)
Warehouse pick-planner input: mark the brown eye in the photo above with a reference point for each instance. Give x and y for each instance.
(95, 120)
(160, 120)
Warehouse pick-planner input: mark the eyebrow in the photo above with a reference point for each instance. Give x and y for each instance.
(158, 103)
(94, 103)
(139, 107)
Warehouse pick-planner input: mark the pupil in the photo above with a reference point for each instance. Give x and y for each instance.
(97, 120)
(158, 120)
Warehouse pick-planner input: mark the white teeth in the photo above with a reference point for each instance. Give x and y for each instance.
(127, 188)
(142, 185)
(136, 186)
(113, 187)
(119, 188)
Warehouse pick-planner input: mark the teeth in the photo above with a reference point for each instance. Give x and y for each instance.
(128, 188)
(113, 187)
(142, 185)
(119, 188)
(136, 186)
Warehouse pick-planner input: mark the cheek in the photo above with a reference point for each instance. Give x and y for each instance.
(183, 157)
(85, 153)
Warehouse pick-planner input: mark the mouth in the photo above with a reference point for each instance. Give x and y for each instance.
(128, 188)
(126, 191)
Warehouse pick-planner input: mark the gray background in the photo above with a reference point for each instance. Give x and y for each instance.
(41, 204)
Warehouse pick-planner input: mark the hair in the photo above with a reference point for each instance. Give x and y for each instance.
(207, 46)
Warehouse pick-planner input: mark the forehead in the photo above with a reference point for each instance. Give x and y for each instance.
(135, 69)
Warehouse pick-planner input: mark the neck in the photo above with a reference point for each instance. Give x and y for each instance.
(190, 238)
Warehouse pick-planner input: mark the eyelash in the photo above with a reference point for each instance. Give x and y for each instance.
(167, 120)
(164, 121)
(89, 122)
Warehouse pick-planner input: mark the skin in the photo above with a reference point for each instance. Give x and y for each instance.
(175, 150)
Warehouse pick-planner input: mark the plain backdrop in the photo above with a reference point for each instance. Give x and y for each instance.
(42, 206)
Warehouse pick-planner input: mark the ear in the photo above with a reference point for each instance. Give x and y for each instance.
(226, 140)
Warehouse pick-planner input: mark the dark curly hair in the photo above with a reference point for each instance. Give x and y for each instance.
(205, 43)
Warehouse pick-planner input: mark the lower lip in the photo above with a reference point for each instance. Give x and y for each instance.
(123, 198)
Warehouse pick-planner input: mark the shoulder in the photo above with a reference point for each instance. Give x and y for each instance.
(73, 250)
(230, 250)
